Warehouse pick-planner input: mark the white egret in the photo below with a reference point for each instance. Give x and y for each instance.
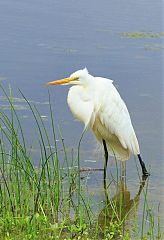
(96, 102)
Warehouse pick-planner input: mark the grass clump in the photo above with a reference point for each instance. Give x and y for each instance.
(49, 200)
(142, 34)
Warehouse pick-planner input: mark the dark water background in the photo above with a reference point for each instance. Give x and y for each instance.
(45, 40)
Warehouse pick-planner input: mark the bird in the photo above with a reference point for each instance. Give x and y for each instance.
(96, 102)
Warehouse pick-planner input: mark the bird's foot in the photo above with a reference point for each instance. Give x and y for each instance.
(145, 175)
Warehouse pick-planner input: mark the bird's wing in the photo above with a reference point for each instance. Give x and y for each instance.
(114, 115)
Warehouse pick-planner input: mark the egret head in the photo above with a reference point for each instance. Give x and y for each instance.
(80, 74)
(75, 78)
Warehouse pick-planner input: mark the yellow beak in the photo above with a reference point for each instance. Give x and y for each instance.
(63, 81)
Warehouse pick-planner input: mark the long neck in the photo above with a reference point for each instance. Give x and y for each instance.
(80, 101)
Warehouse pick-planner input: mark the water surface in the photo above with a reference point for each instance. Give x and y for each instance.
(45, 40)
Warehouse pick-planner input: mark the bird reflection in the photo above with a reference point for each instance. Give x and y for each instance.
(120, 208)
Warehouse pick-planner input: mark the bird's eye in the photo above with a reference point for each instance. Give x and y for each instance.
(75, 78)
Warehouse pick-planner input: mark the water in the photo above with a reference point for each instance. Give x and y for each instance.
(45, 40)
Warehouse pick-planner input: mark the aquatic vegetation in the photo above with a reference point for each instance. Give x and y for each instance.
(142, 34)
(50, 200)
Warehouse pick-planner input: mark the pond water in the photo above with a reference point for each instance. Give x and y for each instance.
(45, 40)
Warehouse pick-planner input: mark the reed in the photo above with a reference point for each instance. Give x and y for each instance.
(49, 200)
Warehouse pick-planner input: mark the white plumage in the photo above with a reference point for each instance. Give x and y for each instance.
(96, 102)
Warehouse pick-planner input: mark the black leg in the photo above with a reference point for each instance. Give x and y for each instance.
(106, 161)
(144, 171)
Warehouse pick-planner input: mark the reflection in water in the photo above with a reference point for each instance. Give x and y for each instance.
(121, 208)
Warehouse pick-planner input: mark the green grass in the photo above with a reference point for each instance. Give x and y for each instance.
(142, 34)
(50, 201)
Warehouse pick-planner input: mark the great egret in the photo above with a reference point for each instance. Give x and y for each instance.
(96, 102)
